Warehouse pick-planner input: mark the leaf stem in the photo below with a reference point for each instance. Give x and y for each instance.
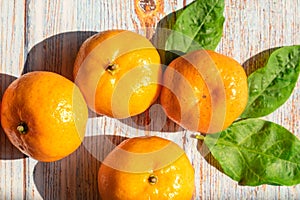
(200, 137)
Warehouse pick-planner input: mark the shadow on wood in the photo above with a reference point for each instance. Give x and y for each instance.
(204, 151)
(7, 150)
(153, 119)
(56, 53)
(75, 177)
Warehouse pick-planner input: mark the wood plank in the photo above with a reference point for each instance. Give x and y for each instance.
(46, 35)
(11, 58)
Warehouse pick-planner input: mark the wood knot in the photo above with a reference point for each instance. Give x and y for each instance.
(147, 5)
(148, 11)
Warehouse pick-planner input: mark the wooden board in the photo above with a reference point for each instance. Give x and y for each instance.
(46, 35)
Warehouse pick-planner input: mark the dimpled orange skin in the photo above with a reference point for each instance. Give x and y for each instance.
(54, 113)
(204, 91)
(118, 72)
(155, 157)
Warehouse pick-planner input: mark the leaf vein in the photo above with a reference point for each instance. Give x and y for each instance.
(249, 167)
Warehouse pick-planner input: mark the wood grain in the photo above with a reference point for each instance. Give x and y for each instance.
(46, 35)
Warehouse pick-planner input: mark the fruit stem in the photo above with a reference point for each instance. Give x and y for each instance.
(199, 137)
(22, 128)
(152, 179)
(112, 67)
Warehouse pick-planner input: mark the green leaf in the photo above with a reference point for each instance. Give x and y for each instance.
(198, 26)
(255, 152)
(272, 85)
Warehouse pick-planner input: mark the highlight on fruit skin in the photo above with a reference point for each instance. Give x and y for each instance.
(148, 167)
(44, 115)
(119, 73)
(204, 91)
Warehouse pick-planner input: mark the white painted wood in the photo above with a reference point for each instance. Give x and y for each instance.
(12, 54)
(45, 35)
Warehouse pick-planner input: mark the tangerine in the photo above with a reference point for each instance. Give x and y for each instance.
(44, 115)
(147, 167)
(118, 72)
(204, 91)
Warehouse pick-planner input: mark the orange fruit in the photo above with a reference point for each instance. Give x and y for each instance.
(147, 167)
(204, 91)
(44, 115)
(118, 72)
